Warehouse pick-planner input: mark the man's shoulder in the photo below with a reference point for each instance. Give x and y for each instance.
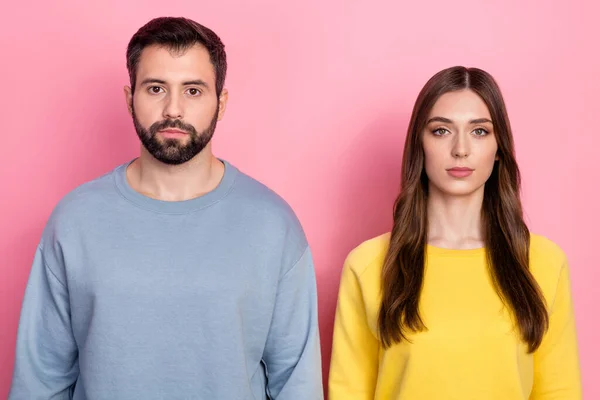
(256, 196)
(82, 202)
(261, 207)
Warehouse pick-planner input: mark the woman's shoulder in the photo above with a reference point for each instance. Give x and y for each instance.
(368, 255)
(544, 250)
(546, 262)
(542, 243)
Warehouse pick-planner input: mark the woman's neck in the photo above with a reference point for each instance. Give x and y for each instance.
(454, 222)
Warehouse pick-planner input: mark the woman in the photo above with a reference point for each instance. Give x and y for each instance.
(459, 301)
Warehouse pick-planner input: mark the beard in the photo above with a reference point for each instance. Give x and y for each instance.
(172, 151)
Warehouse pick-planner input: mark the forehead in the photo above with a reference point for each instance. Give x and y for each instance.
(160, 62)
(462, 104)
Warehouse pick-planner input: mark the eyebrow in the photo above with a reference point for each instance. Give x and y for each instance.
(480, 121)
(197, 82)
(449, 121)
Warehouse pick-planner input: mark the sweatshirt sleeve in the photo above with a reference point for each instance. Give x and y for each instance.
(292, 353)
(46, 362)
(556, 361)
(355, 351)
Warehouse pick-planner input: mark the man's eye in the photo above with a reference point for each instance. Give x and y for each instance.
(155, 89)
(194, 92)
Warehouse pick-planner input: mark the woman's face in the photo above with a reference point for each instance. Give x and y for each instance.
(459, 144)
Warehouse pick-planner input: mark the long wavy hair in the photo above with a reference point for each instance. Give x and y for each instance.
(505, 233)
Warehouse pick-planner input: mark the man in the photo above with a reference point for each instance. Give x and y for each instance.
(175, 276)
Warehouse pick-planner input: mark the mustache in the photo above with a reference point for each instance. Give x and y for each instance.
(172, 123)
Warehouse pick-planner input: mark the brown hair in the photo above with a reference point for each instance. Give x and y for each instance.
(177, 34)
(506, 236)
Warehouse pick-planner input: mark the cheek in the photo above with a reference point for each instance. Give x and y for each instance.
(488, 157)
(146, 111)
(434, 159)
(200, 114)
(201, 109)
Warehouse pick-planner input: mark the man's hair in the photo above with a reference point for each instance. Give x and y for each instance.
(177, 35)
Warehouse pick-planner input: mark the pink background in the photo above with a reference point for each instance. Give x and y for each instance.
(320, 96)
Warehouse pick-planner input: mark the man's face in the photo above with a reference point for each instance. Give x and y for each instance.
(174, 106)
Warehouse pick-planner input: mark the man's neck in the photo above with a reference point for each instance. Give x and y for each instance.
(157, 180)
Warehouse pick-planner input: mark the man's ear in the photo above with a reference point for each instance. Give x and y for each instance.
(128, 99)
(223, 98)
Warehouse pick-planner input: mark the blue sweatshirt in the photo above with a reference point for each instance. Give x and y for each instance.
(135, 298)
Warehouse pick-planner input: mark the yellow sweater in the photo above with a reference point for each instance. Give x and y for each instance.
(470, 349)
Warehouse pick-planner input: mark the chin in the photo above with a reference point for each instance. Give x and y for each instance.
(458, 189)
(459, 193)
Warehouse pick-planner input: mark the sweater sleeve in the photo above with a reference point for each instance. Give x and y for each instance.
(293, 353)
(46, 364)
(556, 361)
(354, 361)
